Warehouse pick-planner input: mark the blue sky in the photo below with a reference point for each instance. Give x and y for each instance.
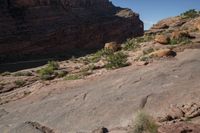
(152, 11)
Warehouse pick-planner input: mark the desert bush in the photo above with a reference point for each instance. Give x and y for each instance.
(144, 123)
(181, 40)
(72, 77)
(5, 74)
(144, 58)
(53, 64)
(61, 74)
(192, 13)
(148, 51)
(19, 83)
(116, 60)
(25, 73)
(134, 43)
(99, 55)
(131, 44)
(47, 72)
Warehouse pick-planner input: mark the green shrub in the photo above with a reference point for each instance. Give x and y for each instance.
(19, 83)
(61, 74)
(26, 73)
(192, 13)
(144, 123)
(53, 64)
(131, 44)
(99, 55)
(47, 72)
(5, 74)
(145, 58)
(116, 60)
(134, 43)
(72, 77)
(182, 40)
(148, 51)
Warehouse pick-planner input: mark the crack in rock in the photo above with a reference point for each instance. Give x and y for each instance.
(144, 101)
(38, 126)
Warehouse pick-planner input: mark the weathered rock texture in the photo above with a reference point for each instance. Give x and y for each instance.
(46, 27)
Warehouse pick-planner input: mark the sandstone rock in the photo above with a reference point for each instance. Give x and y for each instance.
(112, 46)
(178, 113)
(175, 112)
(179, 34)
(192, 24)
(161, 26)
(162, 53)
(100, 64)
(191, 110)
(46, 28)
(171, 22)
(180, 127)
(162, 39)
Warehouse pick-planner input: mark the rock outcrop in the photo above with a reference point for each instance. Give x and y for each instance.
(36, 28)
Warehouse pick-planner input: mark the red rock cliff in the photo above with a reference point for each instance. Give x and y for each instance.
(46, 27)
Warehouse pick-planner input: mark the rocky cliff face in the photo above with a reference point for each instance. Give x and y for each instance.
(46, 27)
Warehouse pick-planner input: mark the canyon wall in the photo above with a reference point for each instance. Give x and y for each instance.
(38, 28)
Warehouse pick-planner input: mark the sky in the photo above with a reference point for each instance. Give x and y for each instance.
(151, 11)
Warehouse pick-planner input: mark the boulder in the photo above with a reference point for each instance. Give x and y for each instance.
(162, 39)
(112, 46)
(163, 53)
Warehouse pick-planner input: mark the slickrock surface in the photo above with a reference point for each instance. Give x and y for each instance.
(110, 100)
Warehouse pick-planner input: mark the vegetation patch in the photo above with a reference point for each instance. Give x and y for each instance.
(181, 40)
(5, 74)
(116, 60)
(25, 73)
(148, 51)
(48, 72)
(93, 58)
(144, 123)
(144, 58)
(192, 13)
(131, 44)
(134, 43)
(72, 77)
(61, 74)
(19, 83)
